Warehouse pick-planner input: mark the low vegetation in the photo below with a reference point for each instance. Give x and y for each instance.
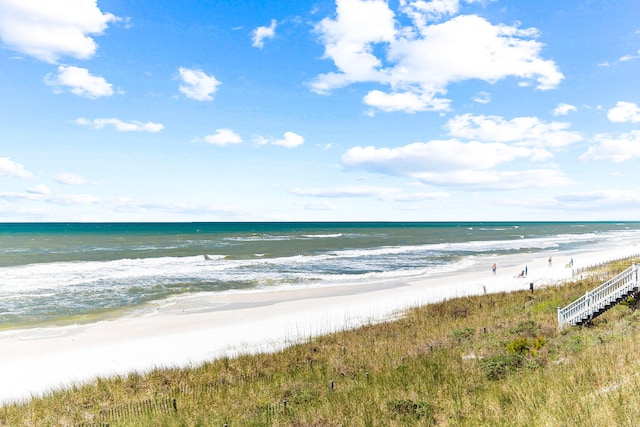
(492, 360)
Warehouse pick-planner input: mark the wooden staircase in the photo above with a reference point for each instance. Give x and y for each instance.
(594, 303)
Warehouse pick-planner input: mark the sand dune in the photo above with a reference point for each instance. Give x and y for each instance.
(192, 330)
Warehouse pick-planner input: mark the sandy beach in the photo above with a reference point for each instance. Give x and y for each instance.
(192, 330)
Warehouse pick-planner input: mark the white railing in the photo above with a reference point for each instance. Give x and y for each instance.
(598, 299)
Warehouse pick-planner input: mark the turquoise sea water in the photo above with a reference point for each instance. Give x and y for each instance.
(56, 272)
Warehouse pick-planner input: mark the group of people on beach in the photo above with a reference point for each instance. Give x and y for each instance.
(494, 267)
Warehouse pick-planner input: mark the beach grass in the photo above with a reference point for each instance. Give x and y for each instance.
(489, 360)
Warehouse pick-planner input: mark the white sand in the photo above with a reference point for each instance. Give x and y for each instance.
(194, 330)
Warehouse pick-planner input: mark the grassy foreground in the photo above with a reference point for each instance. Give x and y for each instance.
(493, 360)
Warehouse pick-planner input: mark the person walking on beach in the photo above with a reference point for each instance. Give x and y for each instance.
(549, 261)
(494, 267)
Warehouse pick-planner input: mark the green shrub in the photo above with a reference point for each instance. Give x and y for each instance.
(463, 333)
(538, 342)
(522, 345)
(519, 345)
(497, 367)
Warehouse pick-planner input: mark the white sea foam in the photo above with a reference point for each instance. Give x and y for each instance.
(60, 274)
(74, 286)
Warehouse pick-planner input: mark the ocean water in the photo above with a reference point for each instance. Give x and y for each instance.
(54, 273)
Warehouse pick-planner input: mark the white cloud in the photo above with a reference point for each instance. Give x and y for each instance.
(564, 109)
(415, 158)
(612, 200)
(523, 131)
(386, 194)
(289, 140)
(617, 149)
(422, 11)
(477, 155)
(80, 82)
(197, 85)
(348, 41)
(624, 112)
(407, 102)
(453, 163)
(417, 62)
(261, 140)
(131, 205)
(39, 189)
(74, 199)
(495, 180)
(623, 58)
(630, 57)
(120, 126)
(482, 98)
(346, 192)
(223, 137)
(43, 194)
(10, 168)
(322, 205)
(71, 179)
(50, 29)
(262, 33)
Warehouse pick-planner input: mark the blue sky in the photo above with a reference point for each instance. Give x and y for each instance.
(403, 110)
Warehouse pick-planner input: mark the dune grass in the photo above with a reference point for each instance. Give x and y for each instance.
(494, 360)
